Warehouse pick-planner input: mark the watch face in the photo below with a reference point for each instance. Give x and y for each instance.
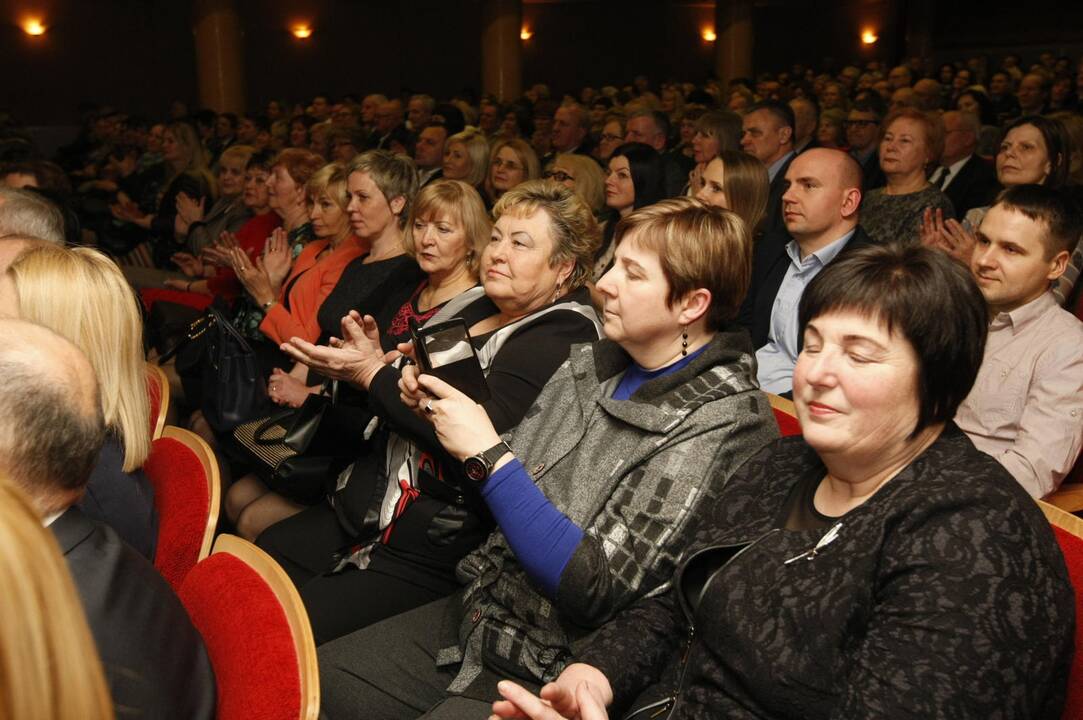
(475, 469)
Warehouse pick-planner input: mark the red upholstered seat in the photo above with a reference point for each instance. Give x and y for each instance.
(257, 634)
(248, 639)
(1072, 547)
(787, 424)
(785, 415)
(185, 478)
(199, 301)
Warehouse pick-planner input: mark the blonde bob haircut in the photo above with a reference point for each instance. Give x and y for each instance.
(477, 149)
(698, 246)
(101, 318)
(49, 664)
(240, 153)
(575, 232)
(329, 181)
(459, 203)
(589, 181)
(395, 176)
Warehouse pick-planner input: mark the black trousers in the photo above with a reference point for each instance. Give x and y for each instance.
(388, 671)
(306, 546)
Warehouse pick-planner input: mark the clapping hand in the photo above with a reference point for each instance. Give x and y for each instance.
(950, 236)
(255, 281)
(276, 259)
(189, 264)
(219, 253)
(356, 358)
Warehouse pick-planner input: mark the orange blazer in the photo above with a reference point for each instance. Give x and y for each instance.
(314, 281)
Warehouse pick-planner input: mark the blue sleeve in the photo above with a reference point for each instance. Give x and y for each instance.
(542, 537)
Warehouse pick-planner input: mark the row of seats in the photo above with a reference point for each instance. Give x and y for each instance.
(249, 614)
(253, 621)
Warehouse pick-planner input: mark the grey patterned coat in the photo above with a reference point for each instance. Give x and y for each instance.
(635, 475)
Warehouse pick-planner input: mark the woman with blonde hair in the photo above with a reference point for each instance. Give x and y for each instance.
(583, 176)
(466, 157)
(101, 317)
(49, 665)
(511, 162)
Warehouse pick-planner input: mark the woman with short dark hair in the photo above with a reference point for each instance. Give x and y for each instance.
(878, 564)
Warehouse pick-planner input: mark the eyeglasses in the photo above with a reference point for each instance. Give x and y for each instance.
(558, 175)
(606, 137)
(859, 123)
(509, 164)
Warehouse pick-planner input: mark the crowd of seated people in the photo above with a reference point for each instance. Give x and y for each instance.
(613, 524)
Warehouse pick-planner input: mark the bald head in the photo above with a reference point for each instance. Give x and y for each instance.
(928, 95)
(51, 425)
(823, 194)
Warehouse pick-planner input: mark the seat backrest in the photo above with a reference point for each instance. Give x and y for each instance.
(1068, 530)
(158, 389)
(257, 634)
(187, 494)
(785, 415)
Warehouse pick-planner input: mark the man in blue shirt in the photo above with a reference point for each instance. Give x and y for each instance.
(820, 216)
(767, 134)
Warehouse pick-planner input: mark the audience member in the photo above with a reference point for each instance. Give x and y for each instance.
(511, 162)
(103, 319)
(429, 152)
(419, 112)
(633, 180)
(611, 137)
(571, 127)
(736, 181)
(912, 141)
(1026, 408)
(767, 135)
(806, 120)
(672, 369)
(854, 568)
(820, 212)
(26, 214)
(49, 665)
(405, 513)
(651, 127)
(466, 158)
(582, 175)
(967, 180)
(51, 431)
(1033, 95)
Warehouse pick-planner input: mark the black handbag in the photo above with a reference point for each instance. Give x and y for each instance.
(296, 451)
(231, 387)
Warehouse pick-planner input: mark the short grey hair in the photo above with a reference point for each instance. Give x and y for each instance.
(27, 214)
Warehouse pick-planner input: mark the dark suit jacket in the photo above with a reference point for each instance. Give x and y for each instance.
(772, 218)
(769, 263)
(123, 501)
(974, 186)
(675, 169)
(154, 659)
(872, 176)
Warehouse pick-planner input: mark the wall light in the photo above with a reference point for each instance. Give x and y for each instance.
(709, 34)
(868, 37)
(301, 32)
(525, 33)
(33, 26)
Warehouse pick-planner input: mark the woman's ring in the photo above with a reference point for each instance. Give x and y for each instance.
(428, 407)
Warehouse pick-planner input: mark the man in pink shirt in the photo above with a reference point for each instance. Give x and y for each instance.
(1026, 407)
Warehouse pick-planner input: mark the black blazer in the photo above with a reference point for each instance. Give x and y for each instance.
(155, 661)
(772, 219)
(769, 263)
(974, 186)
(872, 175)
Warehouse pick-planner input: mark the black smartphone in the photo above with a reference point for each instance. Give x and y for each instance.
(445, 350)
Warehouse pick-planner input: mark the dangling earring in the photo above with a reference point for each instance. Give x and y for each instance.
(684, 343)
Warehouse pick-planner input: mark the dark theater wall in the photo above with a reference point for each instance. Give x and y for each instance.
(133, 54)
(138, 55)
